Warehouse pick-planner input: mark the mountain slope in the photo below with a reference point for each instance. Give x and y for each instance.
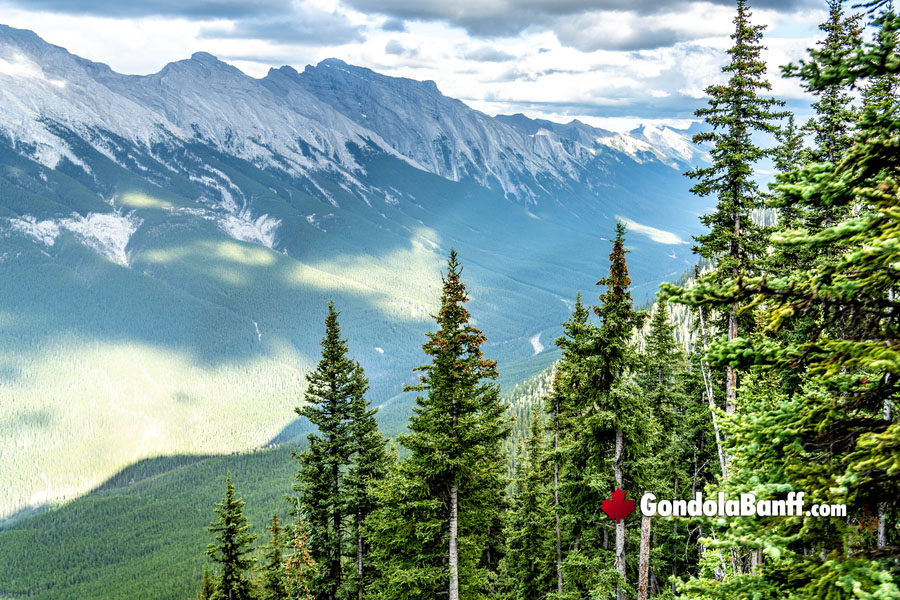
(168, 244)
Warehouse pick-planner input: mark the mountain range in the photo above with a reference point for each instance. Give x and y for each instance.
(169, 243)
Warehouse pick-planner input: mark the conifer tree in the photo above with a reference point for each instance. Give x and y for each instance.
(609, 422)
(369, 464)
(530, 541)
(617, 396)
(299, 570)
(272, 584)
(835, 115)
(431, 527)
(320, 478)
(207, 585)
(232, 548)
(828, 431)
(736, 111)
(683, 446)
(559, 414)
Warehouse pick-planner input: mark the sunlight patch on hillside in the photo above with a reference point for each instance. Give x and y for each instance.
(105, 405)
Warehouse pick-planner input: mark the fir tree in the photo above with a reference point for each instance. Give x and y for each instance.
(369, 464)
(530, 541)
(736, 110)
(432, 526)
(299, 570)
(272, 584)
(608, 422)
(320, 478)
(207, 585)
(617, 395)
(232, 548)
(834, 119)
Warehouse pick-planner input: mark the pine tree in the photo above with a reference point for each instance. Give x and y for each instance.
(835, 115)
(530, 541)
(617, 396)
(299, 570)
(320, 478)
(683, 447)
(207, 585)
(608, 421)
(272, 584)
(431, 529)
(736, 110)
(232, 548)
(369, 465)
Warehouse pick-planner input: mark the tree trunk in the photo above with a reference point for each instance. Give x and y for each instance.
(730, 373)
(359, 554)
(644, 559)
(336, 525)
(453, 560)
(559, 576)
(620, 524)
(707, 383)
(882, 509)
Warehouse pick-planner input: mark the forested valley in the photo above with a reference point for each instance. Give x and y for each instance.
(771, 370)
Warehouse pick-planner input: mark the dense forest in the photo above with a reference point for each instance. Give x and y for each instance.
(778, 377)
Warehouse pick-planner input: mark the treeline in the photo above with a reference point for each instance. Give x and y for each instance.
(785, 383)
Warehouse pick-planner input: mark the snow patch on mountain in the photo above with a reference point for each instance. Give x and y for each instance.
(536, 344)
(107, 234)
(244, 227)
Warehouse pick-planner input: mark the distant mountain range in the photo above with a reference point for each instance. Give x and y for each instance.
(168, 244)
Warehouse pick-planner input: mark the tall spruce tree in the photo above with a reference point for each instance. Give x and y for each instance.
(529, 562)
(736, 112)
(683, 448)
(618, 400)
(320, 478)
(833, 123)
(606, 447)
(232, 547)
(369, 464)
(435, 509)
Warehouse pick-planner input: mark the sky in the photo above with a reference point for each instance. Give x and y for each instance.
(611, 63)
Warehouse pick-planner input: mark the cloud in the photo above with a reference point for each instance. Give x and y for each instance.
(659, 236)
(488, 54)
(220, 9)
(306, 27)
(395, 48)
(498, 18)
(395, 25)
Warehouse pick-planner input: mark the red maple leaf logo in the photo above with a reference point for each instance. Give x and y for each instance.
(618, 507)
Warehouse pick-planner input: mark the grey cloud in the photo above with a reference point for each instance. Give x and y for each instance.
(223, 9)
(587, 40)
(498, 18)
(394, 47)
(488, 54)
(305, 28)
(397, 49)
(393, 25)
